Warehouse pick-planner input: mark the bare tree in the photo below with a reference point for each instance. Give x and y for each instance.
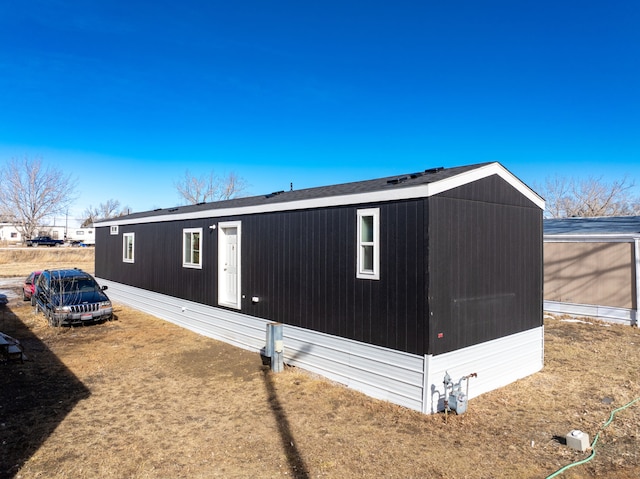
(210, 187)
(104, 211)
(31, 192)
(592, 197)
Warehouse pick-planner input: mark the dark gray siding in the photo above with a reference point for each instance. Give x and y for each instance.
(456, 269)
(485, 265)
(158, 260)
(302, 266)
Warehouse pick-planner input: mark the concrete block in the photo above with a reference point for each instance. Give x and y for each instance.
(578, 440)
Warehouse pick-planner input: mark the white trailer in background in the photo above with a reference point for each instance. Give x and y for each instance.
(85, 236)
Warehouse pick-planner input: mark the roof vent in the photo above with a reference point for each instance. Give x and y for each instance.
(416, 175)
(433, 170)
(275, 193)
(396, 181)
(171, 210)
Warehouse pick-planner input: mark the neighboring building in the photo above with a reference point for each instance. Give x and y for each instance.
(592, 267)
(83, 235)
(10, 233)
(383, 285)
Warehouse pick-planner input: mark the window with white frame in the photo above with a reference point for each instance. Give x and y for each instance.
(368, 255)
(114, 229)
(191, 247)
(128, 247)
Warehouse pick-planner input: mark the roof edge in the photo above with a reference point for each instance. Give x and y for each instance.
(419, 191)
(484, 172)
(591, 237)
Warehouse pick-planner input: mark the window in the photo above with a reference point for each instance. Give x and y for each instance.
(191, 256)
(128, 243)
(80, 233)
(368, 255)
(114, 230)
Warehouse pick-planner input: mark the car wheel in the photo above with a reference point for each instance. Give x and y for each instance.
(24, 296)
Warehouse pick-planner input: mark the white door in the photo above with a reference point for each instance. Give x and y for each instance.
(229, 264)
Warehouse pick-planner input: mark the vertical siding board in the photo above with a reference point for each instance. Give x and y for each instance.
(426, 317)
(390, 275)
(282, 271)
(313, 271)
(490, 290)
(405, 235)
(342, 268)
(326, 252)
(289, 268)
(308, 278)
(414, 310)
(270, 253)
(349, 265)
(316, 272)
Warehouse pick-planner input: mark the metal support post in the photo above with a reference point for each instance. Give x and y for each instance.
(275, 346)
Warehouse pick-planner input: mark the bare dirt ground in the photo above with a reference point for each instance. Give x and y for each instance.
(142, 398)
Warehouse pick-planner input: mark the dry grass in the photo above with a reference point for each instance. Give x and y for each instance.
(142, 398)
(21, 261)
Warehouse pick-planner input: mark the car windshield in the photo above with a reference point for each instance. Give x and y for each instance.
(74, 285)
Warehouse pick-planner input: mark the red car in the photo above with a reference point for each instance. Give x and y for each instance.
(29, 285)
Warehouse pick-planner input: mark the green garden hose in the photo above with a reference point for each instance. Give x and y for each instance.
(595, 441)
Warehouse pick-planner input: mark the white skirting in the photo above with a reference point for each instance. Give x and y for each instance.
(604, 313)
(412, 381)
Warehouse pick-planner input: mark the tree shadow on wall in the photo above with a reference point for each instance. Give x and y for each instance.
(35, 396)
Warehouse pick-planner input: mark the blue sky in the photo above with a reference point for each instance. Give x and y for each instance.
(127, 95)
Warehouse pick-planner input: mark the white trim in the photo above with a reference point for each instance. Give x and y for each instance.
(186, 264)
(237, 304)
(591, 238)
(605, 313)
(400, 193)
(426, 370)
(481, 173)
(636, 251)
(125, 259)
(113, 230)
(361, 272)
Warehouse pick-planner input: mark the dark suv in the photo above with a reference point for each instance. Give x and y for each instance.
(70, 296)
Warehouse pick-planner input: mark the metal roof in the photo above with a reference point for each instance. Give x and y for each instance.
(592, 226)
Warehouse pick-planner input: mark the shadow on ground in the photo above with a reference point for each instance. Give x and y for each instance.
(297, 465)
(35, 396)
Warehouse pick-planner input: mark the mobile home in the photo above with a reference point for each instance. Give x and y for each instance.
(384, 285)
